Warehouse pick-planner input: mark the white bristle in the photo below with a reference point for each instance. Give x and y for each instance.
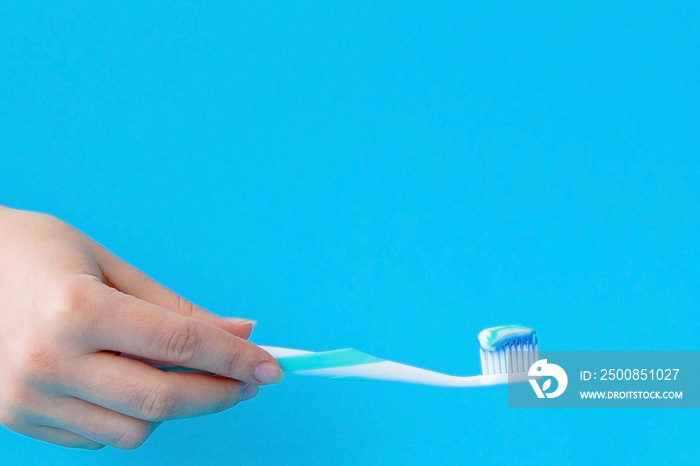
(513, 357)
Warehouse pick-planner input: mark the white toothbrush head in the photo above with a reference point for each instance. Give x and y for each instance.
(507, 349)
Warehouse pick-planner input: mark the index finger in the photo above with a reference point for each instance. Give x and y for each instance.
(134, 282)
(127, 324)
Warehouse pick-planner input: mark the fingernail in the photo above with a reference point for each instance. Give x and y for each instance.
(237, 320)
(267, 372)
(251, 391)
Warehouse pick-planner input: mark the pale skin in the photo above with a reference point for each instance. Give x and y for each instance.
(81, 332)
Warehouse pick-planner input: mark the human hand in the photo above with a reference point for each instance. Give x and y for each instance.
(71, 312)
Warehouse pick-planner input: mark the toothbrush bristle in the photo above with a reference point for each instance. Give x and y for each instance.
(513, 357)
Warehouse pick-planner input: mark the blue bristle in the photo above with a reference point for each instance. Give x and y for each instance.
(513, 357)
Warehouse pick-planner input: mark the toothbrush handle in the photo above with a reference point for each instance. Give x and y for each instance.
(353, 364)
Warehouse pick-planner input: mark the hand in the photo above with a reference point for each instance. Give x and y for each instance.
(71, 312)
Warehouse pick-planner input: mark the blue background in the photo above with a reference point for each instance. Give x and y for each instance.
(392, 177)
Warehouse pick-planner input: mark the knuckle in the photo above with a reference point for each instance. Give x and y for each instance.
(39, 364)
(233, 362)
(73, 310)
(133, 437)
(184, 307)
(183, 344)
(74, 293)
(158, 405)
(232, 399)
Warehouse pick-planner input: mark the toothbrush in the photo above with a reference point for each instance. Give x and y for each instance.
(506, 354)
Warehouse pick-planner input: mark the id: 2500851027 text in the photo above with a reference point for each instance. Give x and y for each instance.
(630, 374)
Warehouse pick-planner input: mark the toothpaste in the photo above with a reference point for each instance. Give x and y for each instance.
(491, 339)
